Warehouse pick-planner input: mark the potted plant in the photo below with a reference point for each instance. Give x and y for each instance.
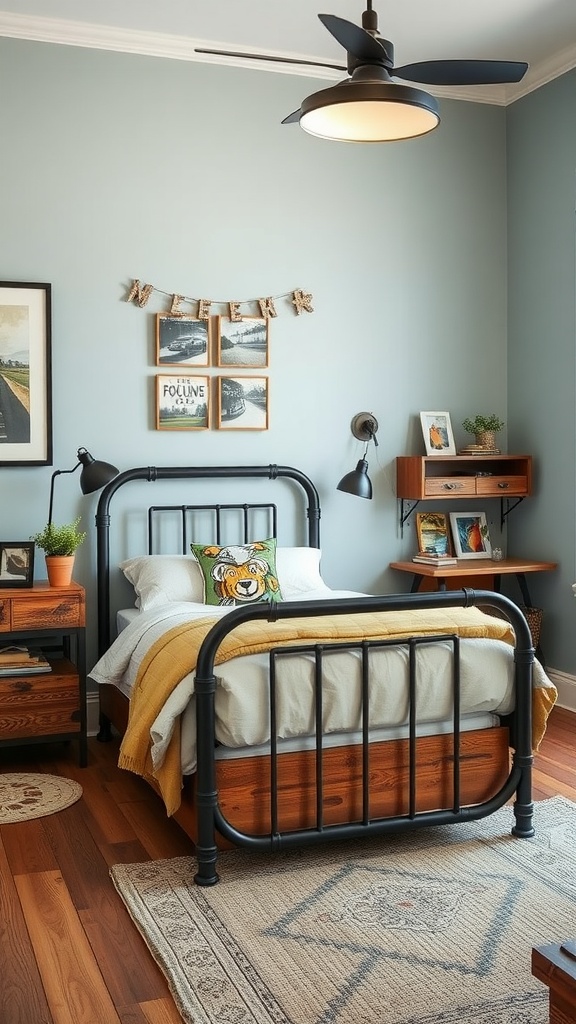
(484, 428)
(59, 544)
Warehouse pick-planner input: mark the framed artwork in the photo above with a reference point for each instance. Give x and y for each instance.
(242, 403)
(16, 563)
(243, 342)
(182, 341)
(437, 431)
(470, 535)
(25, 375)
(182, 403)
(433, 533)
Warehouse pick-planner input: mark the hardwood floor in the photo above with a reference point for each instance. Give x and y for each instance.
(69, 952)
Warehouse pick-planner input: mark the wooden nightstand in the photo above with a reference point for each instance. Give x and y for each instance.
(50, 706)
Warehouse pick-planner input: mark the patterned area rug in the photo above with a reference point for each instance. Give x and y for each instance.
(436, 927)
(25, 795)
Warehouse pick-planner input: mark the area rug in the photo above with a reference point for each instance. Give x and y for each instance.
(25, 795)
(434, 927)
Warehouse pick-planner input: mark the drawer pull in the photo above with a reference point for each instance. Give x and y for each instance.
(503, 485)
(452, 487)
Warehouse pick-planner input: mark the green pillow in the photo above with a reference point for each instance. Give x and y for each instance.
(239, 573)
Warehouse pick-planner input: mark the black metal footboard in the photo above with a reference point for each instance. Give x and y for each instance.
(210, 818)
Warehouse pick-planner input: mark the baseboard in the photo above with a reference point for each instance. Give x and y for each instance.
(566, 686)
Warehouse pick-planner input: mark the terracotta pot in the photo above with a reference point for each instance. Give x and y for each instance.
(59, 568)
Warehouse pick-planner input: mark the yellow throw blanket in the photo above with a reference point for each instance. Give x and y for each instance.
(175, 654)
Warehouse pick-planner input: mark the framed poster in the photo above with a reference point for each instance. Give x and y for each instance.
(16, 563)
(470, 533)
(433, 533)
(182, 402)
(437, 431)
(243, 342)
(182, 341)
(242, 403)
(25, 374)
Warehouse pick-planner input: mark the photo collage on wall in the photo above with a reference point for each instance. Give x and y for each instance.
(185, 396)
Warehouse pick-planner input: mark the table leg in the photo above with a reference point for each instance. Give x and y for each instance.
(521, 577)
(416, 580)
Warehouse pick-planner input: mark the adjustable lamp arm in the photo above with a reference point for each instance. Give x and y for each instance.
(57, 472)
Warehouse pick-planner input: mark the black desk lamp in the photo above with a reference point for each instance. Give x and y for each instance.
(94, 475)
(364, 426)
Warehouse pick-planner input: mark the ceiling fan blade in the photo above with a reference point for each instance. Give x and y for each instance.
(355, 40)
(463, 72)
(276, 60)
(292, 118)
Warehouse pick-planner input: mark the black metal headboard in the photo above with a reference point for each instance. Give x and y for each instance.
(179, 473)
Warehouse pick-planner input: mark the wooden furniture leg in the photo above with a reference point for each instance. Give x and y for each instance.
(555, 966)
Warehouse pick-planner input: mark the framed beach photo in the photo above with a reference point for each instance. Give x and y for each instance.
(437, 431)
(433, 533)
(25, 375)
(242, 403)
(242, 342)
(182, 402)
(470, 535)
(182, 341)
(16, 563)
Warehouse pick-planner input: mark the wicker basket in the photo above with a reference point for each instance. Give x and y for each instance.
(534, 620)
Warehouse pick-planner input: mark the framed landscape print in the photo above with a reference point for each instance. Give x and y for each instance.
(182, 402)
(182, 341)
(242, 342)
(433, 533)
(242, 403)
(437, 431)
(470, 535)
(25, 375)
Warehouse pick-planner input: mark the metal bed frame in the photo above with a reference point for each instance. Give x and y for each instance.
(210, 819)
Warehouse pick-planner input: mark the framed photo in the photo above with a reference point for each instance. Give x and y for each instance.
(182, 403)
(437, 431)
(242, 342)
(470, 535)
(242, 403)
(16, 563)
(182, 341)
(25, 375)
(433, 533)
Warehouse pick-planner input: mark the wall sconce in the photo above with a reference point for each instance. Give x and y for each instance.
(94, 475)
(364, 426)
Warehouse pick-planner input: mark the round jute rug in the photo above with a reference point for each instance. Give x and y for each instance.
(26, 795)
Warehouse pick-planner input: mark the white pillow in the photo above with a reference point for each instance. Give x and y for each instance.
(159, 579)
(298, 571)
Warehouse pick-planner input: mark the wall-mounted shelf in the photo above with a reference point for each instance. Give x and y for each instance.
(429, 477)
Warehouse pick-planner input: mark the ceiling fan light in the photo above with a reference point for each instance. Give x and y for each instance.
(369, 112)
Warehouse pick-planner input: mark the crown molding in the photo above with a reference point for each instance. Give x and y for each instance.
(154, 44)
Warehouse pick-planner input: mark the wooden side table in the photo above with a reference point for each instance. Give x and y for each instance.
(49, 706)
(475, 567)
(555, 966)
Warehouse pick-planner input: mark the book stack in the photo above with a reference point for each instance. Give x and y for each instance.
(22, 661)
(430, 558)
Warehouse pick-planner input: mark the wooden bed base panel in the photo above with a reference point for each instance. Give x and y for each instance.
(244, 783)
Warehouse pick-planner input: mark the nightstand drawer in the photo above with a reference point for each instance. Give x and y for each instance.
(452, 485)
(45, 704)
(46, 612)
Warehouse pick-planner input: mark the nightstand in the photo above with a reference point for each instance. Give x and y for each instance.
(49, 706)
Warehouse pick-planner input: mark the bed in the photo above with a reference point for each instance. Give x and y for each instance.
(311, 714)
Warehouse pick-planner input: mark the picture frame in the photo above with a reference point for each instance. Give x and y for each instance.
(243, 403)
(16, 563)
(25, 374)
(182, 402)
(243, 342)
(433, 533)
(470, 535)
(183, 340)
(437, 432)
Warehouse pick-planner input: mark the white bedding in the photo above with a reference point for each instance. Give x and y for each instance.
(241, 702)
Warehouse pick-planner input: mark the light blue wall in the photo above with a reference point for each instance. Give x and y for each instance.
(542, 344)
(117, 166)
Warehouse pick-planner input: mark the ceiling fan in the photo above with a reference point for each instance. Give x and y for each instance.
(369, 106)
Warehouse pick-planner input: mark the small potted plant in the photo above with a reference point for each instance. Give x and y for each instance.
(484, 428)
(59, 544)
